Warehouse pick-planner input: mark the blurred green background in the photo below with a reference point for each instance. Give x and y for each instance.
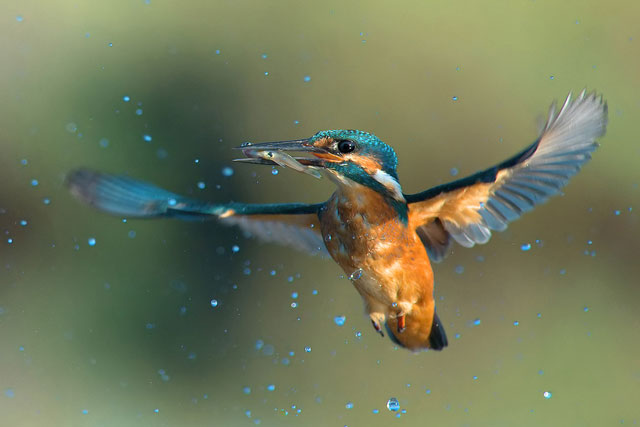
(122, 333)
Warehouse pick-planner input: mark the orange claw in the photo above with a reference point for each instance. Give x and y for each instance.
(401, 324)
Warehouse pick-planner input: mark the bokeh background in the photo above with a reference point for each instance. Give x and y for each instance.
(110, 323)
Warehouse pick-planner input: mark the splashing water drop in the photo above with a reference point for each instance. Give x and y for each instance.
(339, 320)
(393, 404)
(356, 274)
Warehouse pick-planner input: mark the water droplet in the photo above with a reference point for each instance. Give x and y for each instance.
(453, 171)
(227, 171)
(296, 122)
(246, 390)
(271, 387)
(476, 322)
(9, 393)
(455, 98)
(218, 51)
(294, 295)
(459, 269)
(24, 162)
(339, 320)
(327, 238)
(71, 127)
(585, 309)
(393, 404)
(126, 98)
(307, 349)
(131, 234)
(150, 325)
(156, 410)
(147, 138)
(264, 56)
(475, 377)
(525, 247)
(375, 411)
(23, 223)
(356, 274)
(349, 405)
(294, 304)
(547, 394)
(139, 112)
(19, 18)
(110, 45)
(104, 142)
(214, 303)
(274, 171)
(516, 323)
(46, 201)
(34, 182)
(235, 249)
(91, 241)
(201, 185)
(85, 411)
(552, 77)
(307, 79)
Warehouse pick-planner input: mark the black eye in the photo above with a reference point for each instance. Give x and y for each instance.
(346, 146)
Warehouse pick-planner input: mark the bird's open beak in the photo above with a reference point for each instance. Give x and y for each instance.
(275, 153)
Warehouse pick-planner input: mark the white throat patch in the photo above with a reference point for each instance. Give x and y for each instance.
(390, 184)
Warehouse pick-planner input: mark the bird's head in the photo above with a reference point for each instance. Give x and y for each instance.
(349, 156)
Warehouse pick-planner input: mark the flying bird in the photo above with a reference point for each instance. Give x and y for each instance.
(382, 238)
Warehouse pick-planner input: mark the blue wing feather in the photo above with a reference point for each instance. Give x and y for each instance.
(292, 224)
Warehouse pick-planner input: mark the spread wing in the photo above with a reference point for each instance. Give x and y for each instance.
(292, 224)
(467, 210)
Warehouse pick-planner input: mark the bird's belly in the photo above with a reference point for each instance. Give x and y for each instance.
(386, 263)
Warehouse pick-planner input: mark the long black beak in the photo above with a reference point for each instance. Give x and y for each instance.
(294, 145)
(298, 145)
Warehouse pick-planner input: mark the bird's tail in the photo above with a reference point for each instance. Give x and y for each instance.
(423, 330)
(121, 195)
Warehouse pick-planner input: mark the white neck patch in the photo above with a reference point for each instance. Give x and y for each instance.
(390, 184)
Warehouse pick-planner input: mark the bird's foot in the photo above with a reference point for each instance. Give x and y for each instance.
(377, 327)
(401, 323)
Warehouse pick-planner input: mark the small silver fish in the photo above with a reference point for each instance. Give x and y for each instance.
(282, 159)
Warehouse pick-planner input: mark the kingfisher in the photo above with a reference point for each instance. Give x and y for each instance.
(382, 238)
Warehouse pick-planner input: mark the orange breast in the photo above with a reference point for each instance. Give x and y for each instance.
(365, 236)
